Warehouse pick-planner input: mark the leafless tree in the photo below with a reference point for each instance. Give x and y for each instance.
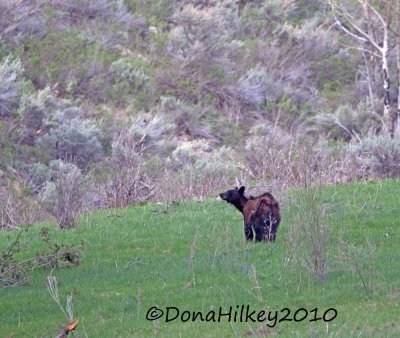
(370, 24)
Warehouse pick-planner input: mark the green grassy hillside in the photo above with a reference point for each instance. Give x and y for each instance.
(192, 256)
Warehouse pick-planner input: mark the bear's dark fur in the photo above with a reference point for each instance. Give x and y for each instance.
(261, 214)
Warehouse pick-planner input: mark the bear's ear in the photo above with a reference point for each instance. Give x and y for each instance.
(241, 190)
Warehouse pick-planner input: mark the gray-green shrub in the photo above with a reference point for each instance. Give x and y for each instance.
(11, 85)
(64, 193)
(379, 156)
(195, 171)
(127, 181)
(41, 111)
(74, 139)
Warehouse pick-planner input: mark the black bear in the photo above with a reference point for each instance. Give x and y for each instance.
(261, 214)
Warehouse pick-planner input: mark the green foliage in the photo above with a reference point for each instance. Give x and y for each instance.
(124, 72)
(39, 174)
(12, 84)
(7, 153)
(349, 123)
(202, 46)
(3, 51)
(128, 82)
(155, 11)
(74, 139)
(62, 57)
(39, 112)
(45, 101)
(334, 73)
(228, 132)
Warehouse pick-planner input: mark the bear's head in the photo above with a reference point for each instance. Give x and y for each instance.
(233, 196)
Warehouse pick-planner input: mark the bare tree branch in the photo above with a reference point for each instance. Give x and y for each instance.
(344, 28)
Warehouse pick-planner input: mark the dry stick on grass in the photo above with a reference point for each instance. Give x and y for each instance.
(46, 261)
(69, 328)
